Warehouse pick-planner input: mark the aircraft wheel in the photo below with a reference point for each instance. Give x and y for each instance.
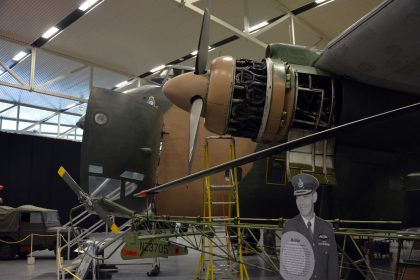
(155, 271)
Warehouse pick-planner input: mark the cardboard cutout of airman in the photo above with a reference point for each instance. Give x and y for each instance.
(309, 249)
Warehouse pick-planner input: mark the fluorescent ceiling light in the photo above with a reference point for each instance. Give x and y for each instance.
(160, 67)
(210, 48)
(87, 4)
(415, 174)
(257, 26)
(50, 32)
(122, 84)
(323, 1)
(19, 56)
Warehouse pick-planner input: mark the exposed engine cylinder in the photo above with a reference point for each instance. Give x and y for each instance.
(270, 97)
(248, 98)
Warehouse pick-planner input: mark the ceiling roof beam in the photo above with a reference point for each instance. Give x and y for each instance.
(12, 73)
(33, 63)
(38, 107)
(304, 23)
(61, 77)
(8, 108)
(39, 122)
(65, 133)
(42, 91)
(246, 16)
(271, 25)
(32, 121)
(66, 56)
(292, 31)
(30, 87)
(222, 23)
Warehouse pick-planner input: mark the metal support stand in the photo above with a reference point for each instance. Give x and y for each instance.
(207, 261)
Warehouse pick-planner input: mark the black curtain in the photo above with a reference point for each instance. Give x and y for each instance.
(28, 171)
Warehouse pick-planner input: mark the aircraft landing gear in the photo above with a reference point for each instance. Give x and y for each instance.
(155, 270)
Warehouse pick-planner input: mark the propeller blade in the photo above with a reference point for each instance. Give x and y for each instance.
(203, 45)
(103, 214)
(88, 203)
(70, 181)
(195, 113)
(312, 138)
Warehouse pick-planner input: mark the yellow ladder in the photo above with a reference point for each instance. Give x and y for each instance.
(207, 258)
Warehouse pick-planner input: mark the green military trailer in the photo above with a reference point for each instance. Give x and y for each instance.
(17, 225)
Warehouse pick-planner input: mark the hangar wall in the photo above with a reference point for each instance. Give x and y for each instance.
(28, 171)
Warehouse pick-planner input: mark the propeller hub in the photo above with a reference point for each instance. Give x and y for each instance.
(183, 89)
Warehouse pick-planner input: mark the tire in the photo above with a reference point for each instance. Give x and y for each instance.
(8, 251)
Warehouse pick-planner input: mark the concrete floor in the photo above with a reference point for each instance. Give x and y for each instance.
(181, 267)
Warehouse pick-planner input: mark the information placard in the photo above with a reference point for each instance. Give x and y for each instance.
(296, 257)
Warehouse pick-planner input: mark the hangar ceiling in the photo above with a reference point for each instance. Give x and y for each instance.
(46, 91)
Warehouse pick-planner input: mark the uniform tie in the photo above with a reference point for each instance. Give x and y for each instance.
(310, 229)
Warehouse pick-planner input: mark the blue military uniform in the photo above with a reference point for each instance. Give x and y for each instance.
(323, 243)
(322, 240)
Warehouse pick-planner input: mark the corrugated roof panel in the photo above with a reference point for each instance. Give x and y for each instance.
(9, 94)
(76, 84)
(50, 66)
(33, 114)
(104, 78)
(38, 16)
(6, 77)
(9, 49)
(33, 98)
(23, 69)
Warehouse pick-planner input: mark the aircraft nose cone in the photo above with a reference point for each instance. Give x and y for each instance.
(182, 89)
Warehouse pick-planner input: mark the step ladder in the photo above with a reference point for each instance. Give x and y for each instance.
(90, 246)
(218, 255)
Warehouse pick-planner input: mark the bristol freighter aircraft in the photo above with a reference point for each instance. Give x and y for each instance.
(293, 93)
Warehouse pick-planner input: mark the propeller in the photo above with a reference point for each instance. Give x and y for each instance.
(89, 203)
(195, 113)
(203, 45)
(197, 101)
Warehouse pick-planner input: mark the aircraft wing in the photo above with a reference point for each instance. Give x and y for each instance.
(318, 136)
(381, 49)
